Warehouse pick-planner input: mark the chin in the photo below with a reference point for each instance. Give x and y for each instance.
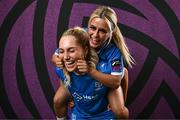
(94, 46)
(70, 69)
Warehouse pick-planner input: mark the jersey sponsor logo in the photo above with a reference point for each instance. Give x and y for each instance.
(89, 98)
(79, 97)
(116, 65)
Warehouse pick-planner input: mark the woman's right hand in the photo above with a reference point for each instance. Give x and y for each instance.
(57, 61)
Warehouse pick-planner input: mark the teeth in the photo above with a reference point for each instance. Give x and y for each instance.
(95, 40)
(69, 62)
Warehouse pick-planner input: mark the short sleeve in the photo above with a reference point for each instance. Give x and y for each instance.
(59, 73)
(57, 52)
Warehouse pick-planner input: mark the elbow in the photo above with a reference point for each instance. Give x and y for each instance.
(116, 84)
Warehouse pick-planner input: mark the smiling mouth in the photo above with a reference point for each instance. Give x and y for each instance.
(69, 64)
(94, 41)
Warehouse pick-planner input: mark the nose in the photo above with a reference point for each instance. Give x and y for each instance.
(95, 33)
(66, 56)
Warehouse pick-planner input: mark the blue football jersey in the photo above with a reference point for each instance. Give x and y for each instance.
(89, 96)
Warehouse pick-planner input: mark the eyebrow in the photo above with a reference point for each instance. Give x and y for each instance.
(99, 28)
(68, 48)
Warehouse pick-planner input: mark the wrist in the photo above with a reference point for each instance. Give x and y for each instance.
(91, 71)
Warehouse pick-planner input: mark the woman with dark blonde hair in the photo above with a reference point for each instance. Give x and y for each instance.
(89, 97)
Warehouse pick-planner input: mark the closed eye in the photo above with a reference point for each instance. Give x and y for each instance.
(71, 50)
(61, 51)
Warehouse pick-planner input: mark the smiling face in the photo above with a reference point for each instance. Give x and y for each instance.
(70, 51)
(98, 31)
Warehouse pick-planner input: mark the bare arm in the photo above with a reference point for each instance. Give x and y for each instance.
(112, 81)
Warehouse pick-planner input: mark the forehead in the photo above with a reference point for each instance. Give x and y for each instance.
(67, 41)
(99, 23)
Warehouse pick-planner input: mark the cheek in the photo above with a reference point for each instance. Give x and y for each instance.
(76, 55)
(90, 32)
(103, 38)
(80, 54)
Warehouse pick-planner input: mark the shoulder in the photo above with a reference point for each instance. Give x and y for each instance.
(59, 72)
(112, 46)
(111, 51)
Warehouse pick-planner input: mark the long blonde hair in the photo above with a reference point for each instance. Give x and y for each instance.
(82, 38)
(110, 17)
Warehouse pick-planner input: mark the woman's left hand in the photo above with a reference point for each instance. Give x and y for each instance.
(82, 66)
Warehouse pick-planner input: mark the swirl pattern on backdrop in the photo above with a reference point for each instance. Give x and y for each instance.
(29, 32)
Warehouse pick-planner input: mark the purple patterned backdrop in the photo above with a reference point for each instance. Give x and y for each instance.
(29, 31)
